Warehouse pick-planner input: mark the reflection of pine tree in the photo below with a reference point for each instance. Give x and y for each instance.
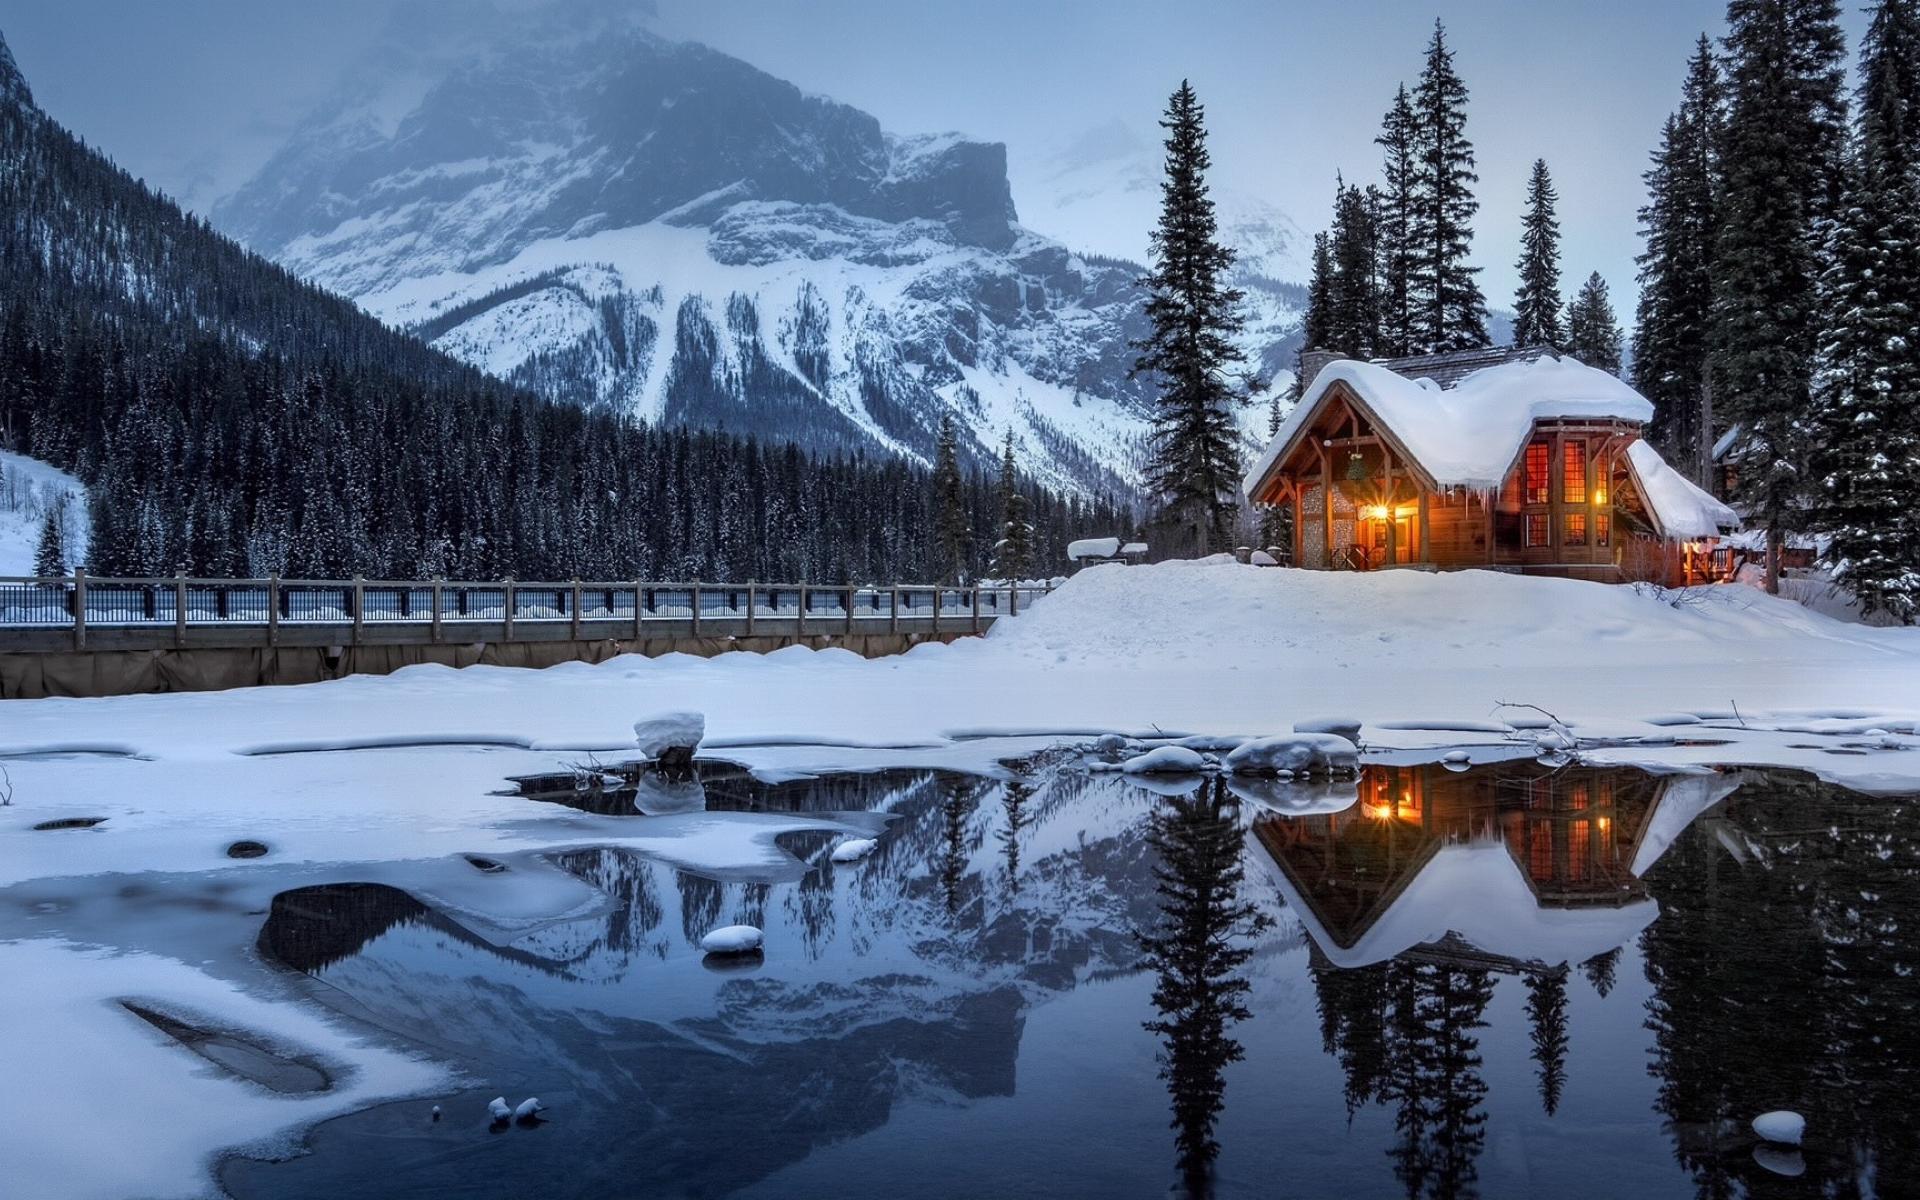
(1014, 800)
(1435, 1079)
(1193, 948)
(953, 855)
(699, 905)
(1600, 969)
(1547, 1014)
(1353, 1027)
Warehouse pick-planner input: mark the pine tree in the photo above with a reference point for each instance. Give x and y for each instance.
(1195, 463)
(1399, 143)
(1448, 311)
(1593, 333)
(50, 556)
(1536, 306)
(1783, 129)
(1013, 553)
(1316, 321)
(952, 531)
(1547, 1022)
(1353, 290)
(1867, 387)
(1673, 322)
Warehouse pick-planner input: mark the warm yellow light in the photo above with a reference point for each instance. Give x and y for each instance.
(1604, 824)
(1600, 495)
(1374, 512)
(1379, 812)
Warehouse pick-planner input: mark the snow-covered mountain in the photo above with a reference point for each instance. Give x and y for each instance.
(626, 221)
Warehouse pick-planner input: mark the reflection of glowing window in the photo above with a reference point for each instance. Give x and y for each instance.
(1573, 473)
(1536, 529)
(1537, 472)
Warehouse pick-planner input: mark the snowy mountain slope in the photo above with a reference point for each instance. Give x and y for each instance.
(655, 227)
(28, 487)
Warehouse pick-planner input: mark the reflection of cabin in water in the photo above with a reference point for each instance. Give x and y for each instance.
(1490, 855)
(1504, 458)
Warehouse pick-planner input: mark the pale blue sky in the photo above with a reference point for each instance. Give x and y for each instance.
(193, 94)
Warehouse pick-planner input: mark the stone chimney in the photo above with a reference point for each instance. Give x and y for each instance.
(1312, 362)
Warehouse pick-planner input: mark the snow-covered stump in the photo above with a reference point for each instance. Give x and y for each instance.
(670, 738)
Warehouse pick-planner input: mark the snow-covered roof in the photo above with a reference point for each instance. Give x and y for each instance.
(1680, 508)
(1467, 435)
(1105, 547)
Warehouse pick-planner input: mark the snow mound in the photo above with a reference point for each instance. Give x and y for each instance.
(854, 849)
(1296, 754)
(1166, 760)
(732, 939)
(1782, 1126)
(671, 735)
(1085, 548)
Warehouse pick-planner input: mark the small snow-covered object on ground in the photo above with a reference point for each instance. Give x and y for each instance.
(498, 1108)
(670, 737)
(1346, 727)
(1260, 558)
(529, 1109)
(1782, 1126)
(1090, 548)
(436, 1112)
(1166, 760)
(854, 849)
(732, 939)
(1298, 753)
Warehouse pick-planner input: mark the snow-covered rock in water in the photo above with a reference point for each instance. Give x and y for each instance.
(1166, 760)
(1208, 743)
(732, 939)
(1782, 1126)
(1346, 727)
(498, 1109)
(670, 737)
(529, 1109)
(1113, 743)
(1298, 754)
(854, 849)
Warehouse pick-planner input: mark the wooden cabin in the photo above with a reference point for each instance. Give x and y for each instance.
(1519, 460)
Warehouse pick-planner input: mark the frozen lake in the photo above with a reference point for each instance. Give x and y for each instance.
(1502, 981)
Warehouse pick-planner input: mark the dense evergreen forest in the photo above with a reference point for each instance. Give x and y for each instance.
(231, 420)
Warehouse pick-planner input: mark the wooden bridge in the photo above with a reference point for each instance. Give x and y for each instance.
(80, 635)
(82, 613)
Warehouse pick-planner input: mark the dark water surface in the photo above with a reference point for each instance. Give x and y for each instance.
(1502, 982)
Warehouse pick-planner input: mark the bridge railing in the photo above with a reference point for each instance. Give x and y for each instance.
(80, 602)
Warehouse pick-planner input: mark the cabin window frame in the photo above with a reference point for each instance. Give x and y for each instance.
(1536, 532)
(1542, 493)
(1575, 531)
(1574, 484)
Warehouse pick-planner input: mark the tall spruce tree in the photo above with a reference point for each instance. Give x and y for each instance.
(952, 529)
(1194, 467)
(1449, 312)
(1593, 332)
(1536, 306)
(50, 556)
(1399, 145)
(1673, 322)
(1013, 553)
(1784, 75)
(1353, 298)
(1867, 383)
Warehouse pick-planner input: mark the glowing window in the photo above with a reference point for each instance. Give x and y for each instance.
(1536, 529)
(1576, 529)
(1602, 528)
(1573, 473)
(1537, 462)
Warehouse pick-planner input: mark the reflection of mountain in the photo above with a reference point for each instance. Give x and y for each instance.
(908, 975)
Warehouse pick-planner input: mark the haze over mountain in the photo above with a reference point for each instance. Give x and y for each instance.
(653, 227)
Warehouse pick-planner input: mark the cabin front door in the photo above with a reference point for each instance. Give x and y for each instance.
(1376, 540)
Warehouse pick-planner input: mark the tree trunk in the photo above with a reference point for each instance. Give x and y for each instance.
(1776, 545)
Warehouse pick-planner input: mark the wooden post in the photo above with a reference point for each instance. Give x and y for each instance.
(1393, 516)
(1013, 599)
(179, 610)
(359, 606)
(852, 594)
(893, 610)
(1426, 529)
(575, 599)
(752, 591)
(976, 608)
(936, 608)
(506, 611)
(1326, 501)
(79, 609)
(639, 594)
(437, 591)
(273, 610)
(802, 626)
(696, 608)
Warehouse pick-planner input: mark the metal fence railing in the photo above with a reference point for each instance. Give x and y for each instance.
(80, 602)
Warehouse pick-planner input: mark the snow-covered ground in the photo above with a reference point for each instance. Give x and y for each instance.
(398, 775)
(27, 488)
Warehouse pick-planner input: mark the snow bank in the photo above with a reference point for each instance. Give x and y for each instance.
(1166, 760)
(1467, 435)
(1295, 754)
